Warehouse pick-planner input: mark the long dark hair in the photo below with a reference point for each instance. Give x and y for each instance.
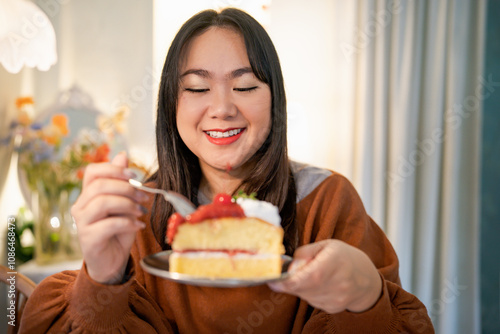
(179, 170)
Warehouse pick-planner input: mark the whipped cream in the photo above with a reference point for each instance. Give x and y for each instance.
(260, 209)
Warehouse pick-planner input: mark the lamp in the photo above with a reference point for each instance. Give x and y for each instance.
(27, 37)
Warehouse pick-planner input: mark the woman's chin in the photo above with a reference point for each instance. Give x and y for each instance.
(232, 162)
(225, 165)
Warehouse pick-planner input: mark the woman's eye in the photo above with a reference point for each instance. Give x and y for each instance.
(247, 89)
(197, 90)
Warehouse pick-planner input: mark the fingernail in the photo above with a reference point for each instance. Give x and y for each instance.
(143, 209)
(141, 196)
(140, 224)
(276, 287)
(129, 173)
(296, 265)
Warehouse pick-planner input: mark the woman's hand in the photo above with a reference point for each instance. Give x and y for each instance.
(106, 215)
(334, 278)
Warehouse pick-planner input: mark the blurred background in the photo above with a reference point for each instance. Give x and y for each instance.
(400, 96)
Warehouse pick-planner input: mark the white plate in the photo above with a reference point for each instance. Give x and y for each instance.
(157, 264)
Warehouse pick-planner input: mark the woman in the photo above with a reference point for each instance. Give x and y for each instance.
(221, 127)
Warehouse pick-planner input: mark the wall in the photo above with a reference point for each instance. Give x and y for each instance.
(490, 179)
(305, 38)
(105, 47)
(10, 84)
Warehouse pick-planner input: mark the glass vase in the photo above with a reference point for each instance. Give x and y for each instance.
(55, 232)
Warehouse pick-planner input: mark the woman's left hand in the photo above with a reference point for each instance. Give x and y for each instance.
(335, 277)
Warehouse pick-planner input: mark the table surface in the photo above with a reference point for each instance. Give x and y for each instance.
(38, 272)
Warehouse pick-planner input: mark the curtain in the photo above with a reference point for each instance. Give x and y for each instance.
(411, 123)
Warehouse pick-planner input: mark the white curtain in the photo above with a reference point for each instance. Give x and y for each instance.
(411, 135)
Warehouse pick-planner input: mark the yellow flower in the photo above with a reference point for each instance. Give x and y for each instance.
(56, 129)
(24, 105)
(114, 123)
(61, 122)
(24, 100)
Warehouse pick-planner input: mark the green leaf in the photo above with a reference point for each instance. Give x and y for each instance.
(242, 194)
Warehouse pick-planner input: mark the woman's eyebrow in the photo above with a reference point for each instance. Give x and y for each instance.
(239, 72)
(199, 72)
(206, 74)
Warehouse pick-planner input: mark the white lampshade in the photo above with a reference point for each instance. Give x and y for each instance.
(27, 37)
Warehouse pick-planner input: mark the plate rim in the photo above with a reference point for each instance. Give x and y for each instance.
(207, 281)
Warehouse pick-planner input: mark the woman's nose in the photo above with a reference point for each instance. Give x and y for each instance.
(222, 104)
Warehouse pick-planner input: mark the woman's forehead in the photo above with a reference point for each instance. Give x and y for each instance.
(215, 50)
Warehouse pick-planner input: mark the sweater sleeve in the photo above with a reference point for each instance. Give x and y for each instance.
(334, 210)
(71, 301)
(397, 311)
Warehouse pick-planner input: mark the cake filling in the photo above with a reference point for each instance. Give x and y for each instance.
(230, 252)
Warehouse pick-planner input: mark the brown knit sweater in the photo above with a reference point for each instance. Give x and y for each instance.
(72, 302)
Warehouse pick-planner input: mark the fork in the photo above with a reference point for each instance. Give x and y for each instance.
(180, 203)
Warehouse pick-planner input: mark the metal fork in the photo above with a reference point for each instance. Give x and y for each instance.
(180, 203)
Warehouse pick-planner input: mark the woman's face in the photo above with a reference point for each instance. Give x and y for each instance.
(223, 111)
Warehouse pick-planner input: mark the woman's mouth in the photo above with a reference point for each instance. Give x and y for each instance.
(223, 137)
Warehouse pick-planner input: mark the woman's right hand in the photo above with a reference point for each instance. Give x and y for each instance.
(106, 214)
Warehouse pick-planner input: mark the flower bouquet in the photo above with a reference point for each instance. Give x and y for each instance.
(52, 172)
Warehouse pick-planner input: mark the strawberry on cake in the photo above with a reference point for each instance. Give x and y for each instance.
(227, 239)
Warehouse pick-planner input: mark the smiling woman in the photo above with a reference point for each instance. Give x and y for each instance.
(222, 128)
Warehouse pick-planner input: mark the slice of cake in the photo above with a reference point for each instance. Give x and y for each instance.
(227, 239)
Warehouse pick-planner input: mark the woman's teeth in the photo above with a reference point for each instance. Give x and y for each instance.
(218, 134)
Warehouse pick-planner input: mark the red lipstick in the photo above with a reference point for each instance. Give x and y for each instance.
(224, 140)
